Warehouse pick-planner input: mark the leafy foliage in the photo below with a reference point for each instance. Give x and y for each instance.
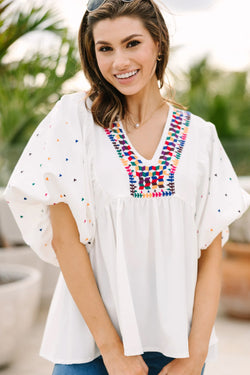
(220, 97)
(224, 99)
(29, 87)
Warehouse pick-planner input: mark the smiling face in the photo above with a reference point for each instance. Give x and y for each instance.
(126, 54)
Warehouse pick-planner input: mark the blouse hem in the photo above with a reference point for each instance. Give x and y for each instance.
(213, 346)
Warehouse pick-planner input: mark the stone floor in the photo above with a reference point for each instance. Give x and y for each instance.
(234, 356)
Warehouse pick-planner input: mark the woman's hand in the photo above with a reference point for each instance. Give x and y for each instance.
(117, 363)
(183, 366)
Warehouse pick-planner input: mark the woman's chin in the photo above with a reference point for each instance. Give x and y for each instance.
(128, 91)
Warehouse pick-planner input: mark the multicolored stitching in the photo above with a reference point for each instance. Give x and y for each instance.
(154, 180)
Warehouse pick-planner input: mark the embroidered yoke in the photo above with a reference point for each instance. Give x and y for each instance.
(153, 181)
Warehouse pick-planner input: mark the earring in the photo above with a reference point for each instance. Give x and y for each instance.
(159, 58)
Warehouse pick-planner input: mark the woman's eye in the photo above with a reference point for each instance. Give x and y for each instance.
(105, 49)
(133, 43)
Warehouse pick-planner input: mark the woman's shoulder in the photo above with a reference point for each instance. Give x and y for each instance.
(198, 128)
(199, 133)
(74, 109)
(68, 118)
(194, 120)
(201, 125)
(73, 100)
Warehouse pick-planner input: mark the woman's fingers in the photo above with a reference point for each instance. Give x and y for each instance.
(144, 366)
(125, 365)
(181, 366)
(164, 370)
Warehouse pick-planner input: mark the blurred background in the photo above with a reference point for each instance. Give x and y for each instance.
(209, 69)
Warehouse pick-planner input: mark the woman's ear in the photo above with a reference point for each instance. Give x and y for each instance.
(158, 47)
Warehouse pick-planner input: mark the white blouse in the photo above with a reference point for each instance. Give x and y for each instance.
(144, 223)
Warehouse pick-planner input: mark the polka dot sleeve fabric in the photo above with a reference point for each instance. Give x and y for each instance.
(220, 199)
(51, 170)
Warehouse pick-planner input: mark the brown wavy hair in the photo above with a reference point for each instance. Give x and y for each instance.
(108, 104)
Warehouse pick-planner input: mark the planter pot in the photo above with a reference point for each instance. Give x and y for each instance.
(27, 257)
(235, 295)
(23, 254)
(9, 231)
(20, 288)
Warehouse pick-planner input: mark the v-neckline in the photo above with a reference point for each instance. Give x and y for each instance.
(159, 148)
(155, 177)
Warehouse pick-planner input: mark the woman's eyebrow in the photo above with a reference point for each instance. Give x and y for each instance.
(123, 40)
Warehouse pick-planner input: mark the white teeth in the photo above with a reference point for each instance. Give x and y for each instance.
(126, 75)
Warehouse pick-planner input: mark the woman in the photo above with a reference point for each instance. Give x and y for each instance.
(124, 194)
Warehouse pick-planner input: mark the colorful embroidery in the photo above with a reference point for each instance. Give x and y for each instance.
(154, 180)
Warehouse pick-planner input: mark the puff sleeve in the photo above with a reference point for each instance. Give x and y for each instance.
(52, 169)
(220, 199)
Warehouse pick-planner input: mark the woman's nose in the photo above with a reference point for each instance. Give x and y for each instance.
(121, 61)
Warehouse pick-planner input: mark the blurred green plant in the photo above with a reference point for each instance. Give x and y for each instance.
(224, 99)
(220, 97)
(29, 87)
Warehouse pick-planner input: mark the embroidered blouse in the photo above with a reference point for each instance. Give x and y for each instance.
(144, 223)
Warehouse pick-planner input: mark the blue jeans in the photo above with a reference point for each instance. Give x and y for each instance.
(154, 360)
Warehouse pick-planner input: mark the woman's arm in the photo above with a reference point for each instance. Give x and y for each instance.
(207, 295)
(78, 274)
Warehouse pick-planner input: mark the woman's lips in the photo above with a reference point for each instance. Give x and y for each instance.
(126, 77)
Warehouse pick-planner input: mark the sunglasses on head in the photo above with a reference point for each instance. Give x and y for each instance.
(95, 4)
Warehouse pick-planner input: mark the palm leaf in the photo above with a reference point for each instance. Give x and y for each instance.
(29, 87)
(22, 24)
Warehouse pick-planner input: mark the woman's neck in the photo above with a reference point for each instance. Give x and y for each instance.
(141, 105)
